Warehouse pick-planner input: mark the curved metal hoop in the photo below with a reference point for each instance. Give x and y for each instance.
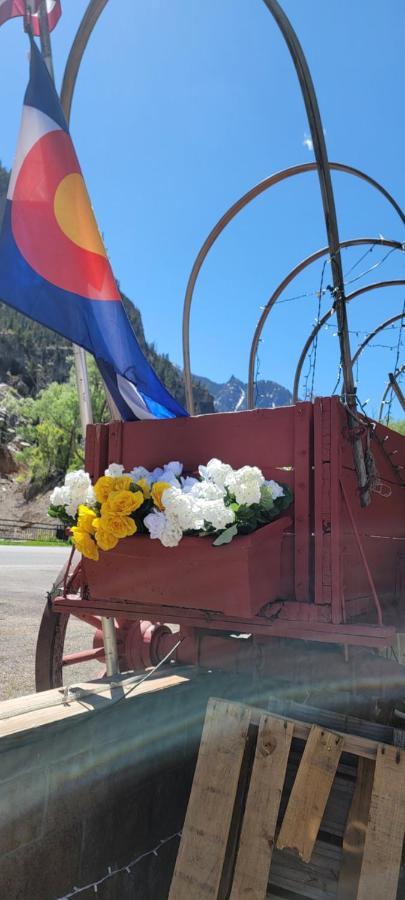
(227, 218)
(282, 286)
(397, 372)
(324, 319)
(89, 20)
(373, 334)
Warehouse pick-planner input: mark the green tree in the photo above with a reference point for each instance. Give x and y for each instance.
(50, 426)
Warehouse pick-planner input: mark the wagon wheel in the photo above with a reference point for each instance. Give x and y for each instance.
(50, 658)
(138, 641)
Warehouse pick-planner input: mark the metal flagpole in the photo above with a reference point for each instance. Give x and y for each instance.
(86, 413)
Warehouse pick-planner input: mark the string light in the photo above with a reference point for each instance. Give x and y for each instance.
(111, 872)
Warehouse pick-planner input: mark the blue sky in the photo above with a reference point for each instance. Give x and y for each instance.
(179, 109)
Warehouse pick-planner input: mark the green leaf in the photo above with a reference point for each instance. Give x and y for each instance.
(266, 498)
(226, 536)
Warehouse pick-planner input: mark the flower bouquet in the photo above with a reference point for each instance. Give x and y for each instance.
(237, 511)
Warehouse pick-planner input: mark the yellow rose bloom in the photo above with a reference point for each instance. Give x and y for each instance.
(158, 488)
(85, 519)
(105, 539)
(119, 526)
(122, 503)
(106, 485)
(144, 485)
(84, 543)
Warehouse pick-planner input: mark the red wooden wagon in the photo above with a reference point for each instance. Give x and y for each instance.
(329, 571)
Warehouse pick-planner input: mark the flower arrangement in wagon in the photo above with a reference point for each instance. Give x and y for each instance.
(218, 502)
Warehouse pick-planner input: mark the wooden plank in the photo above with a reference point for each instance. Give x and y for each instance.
(303, 479)
(310, 793)
(204, 839)
(386, 828)
(259, 824)
(355, 832)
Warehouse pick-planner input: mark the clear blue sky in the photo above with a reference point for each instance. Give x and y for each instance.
(180, 107)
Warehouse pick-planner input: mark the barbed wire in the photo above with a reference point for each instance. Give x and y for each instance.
(398, 349)
(312, 356)
(111, 872)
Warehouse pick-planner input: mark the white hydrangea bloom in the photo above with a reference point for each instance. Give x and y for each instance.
(182, 509)
(76, 491)
(155, 523)
(207, 490)
(276, 489)
(215, 471)
(115, 470)
(171, 534)
(245, 484)
(217, 514)
(59, 496)
(164, 528)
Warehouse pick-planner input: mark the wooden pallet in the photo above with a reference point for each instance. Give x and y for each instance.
(281, 808)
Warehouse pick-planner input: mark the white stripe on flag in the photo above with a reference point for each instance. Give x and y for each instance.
(133, 398)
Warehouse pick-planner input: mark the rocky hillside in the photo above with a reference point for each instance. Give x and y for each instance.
(233, 394)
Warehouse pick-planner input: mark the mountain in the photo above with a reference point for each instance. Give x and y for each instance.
(232, 395)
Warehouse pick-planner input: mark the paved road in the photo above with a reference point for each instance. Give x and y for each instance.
(26, 575)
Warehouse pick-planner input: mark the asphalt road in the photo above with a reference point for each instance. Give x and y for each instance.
(26, 575)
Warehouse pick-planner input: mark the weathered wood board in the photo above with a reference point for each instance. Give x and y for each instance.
(263, 802)
(310, 792)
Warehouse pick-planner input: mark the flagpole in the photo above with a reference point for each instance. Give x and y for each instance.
(82, 381)
(86, 413)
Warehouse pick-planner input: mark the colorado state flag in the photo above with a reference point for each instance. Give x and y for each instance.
(53, 264)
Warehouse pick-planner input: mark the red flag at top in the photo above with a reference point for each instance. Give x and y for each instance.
(11, 8)
(54, 11)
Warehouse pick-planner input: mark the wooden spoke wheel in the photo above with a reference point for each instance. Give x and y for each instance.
(51, 657)
(58, 660)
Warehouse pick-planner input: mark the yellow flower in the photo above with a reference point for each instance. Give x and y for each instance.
(122, 503)
(144, 486)
(84, 543)
(105, 539)
(119, 526)
(158, 488)
(106, 485)
(85, 519)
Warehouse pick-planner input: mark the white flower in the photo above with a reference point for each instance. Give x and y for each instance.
(276, 489)
(175, 467)
(207, 490)
(217, 514)
(215, 471)
(171, 535)
(156, 475)
(90, 497)
(155, 523)
(188, 483)
(115, 470)
(182, 509)
(169, 476)
(59, 496)
(77, 490)
(167, 531)
(140, 472)
(245, 484)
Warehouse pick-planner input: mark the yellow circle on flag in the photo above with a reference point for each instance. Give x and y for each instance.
(75, 216)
